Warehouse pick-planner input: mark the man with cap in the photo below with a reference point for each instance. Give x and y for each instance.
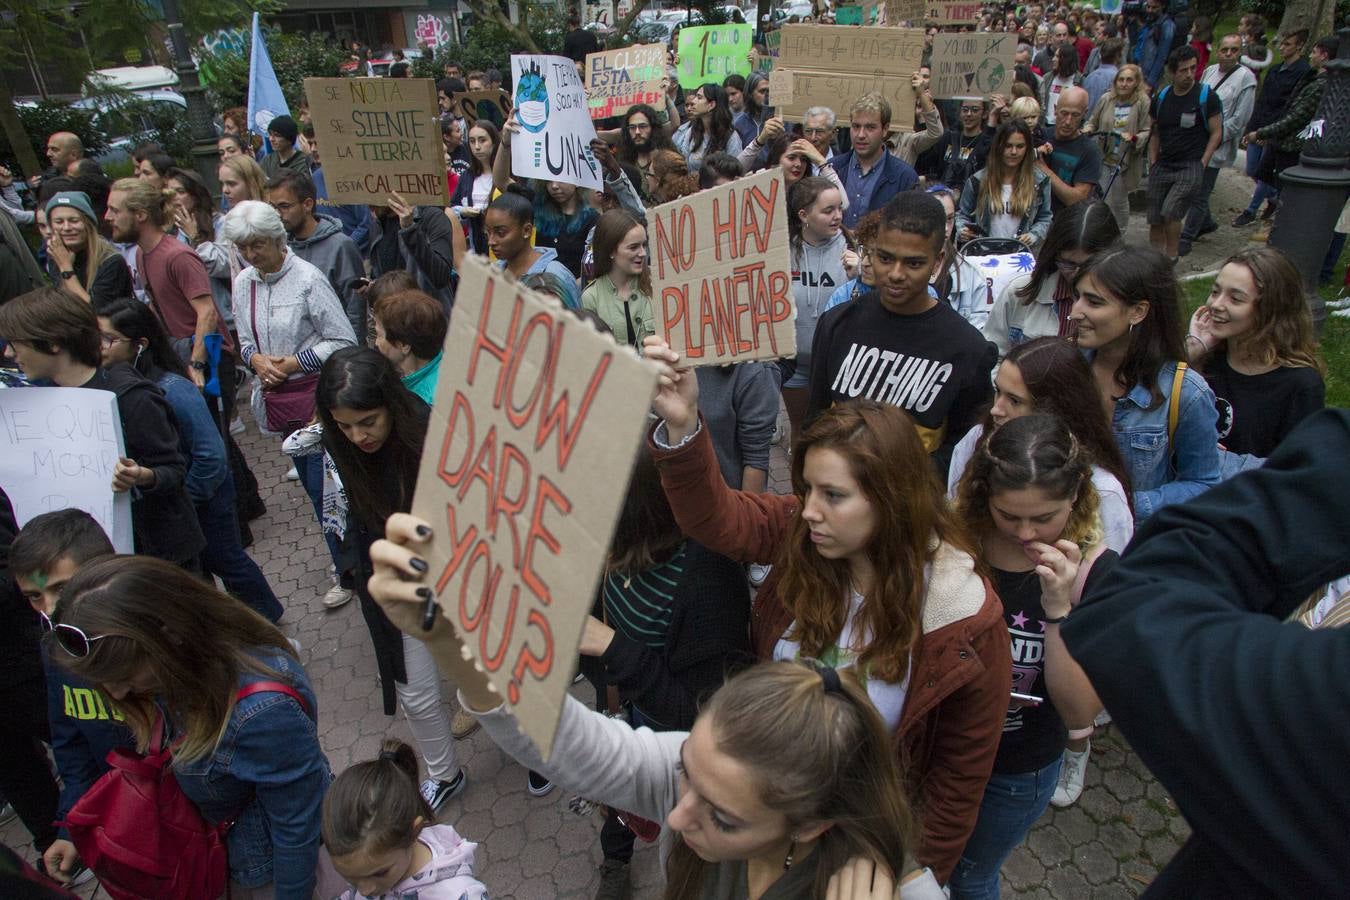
(282, 133)
(79, 259)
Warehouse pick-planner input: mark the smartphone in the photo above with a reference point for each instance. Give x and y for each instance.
(361, 283)
(1028, 698)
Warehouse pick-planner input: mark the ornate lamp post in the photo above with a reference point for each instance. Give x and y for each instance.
(1313, 192)
(205, 153)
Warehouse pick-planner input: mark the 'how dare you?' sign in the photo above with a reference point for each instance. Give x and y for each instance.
(378, 136)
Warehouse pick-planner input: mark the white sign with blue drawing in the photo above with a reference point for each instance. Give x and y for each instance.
(58, 447)
(554, 141)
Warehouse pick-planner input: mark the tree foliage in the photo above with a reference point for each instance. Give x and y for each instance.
(46, 118)
(295, 57)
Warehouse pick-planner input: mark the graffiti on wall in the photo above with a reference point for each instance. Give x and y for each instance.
(433, 31)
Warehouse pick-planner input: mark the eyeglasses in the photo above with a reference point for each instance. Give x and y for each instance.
(815, 132)
(108, 340)
(1068, 266)
(971, 109)
(71, 639)
(639, 126)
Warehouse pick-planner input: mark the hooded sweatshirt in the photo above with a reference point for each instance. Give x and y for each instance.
(816, 271)
(449, 875)
(549, 263)
(334, 254)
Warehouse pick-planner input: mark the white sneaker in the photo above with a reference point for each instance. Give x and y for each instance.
(1340, 303)
(237, 426)
(1341, 313)
(1102, 720)
(1071, 774)
(337, 596)
(292, 475)
(757, 573)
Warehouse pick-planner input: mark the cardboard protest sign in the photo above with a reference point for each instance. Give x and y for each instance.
(619, 79)
(379, 136)
(492, 106)
(971, 64)
(833, 65)
(721, 278)
(554, 142)
(780, 86)
(537, 419)
(773, 42)
(953, 12)
(58, 447)
(911, 11)
(712, 52)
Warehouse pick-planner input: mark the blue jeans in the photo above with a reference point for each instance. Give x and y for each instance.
(226, 559)
(310, 469)
(1011, 805)
(1263, 191)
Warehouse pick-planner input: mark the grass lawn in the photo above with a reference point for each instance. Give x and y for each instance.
(1335, 335)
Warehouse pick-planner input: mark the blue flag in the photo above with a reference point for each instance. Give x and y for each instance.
(265, 99)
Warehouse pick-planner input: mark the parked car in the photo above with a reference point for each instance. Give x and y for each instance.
(117, 105)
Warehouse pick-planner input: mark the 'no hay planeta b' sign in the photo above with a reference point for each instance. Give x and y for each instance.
(721, 277)
(379, 136)
(532, 404)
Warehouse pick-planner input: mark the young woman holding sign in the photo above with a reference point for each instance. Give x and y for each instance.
(786, 785)
(562, 215)
(871, 572)
(373, 428)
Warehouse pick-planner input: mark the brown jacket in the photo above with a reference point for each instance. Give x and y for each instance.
(962, 667)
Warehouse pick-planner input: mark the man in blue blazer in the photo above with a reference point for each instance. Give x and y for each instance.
(870, 174)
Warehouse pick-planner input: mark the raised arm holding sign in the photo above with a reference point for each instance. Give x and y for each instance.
(721, 275)
(537, 420)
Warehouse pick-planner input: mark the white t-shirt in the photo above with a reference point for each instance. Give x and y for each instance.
(1004, 225)
(1057, 86)
(1113, 505)
(888, 697)
(482, 190)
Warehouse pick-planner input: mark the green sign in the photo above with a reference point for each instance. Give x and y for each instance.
(712, 52)
(848, 15)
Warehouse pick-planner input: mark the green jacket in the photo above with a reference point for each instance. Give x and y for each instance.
(601, 298)
(1284, 132)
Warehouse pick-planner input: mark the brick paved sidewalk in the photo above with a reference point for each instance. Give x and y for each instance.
(1108, 846)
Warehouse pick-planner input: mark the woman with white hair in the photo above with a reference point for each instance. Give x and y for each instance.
(289, 322)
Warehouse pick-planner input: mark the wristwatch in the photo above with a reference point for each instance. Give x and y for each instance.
(68, 273)
(198, 365)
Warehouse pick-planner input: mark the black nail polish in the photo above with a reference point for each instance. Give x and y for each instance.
(423, 531)
(425, 593)
(418, 564)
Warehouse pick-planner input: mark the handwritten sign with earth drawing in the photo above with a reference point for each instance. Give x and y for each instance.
(554, 141)
(969, 64)
(379, 136)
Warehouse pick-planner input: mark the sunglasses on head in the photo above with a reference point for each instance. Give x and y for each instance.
(71, 639)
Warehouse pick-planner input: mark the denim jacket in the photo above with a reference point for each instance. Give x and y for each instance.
(1160, 475)
(268, 771)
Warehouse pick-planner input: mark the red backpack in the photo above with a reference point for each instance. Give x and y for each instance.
(142, 836)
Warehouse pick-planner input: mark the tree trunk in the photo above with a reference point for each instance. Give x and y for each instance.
(1315, 15)
(621, 27)
(17, 134)
(489, 11)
